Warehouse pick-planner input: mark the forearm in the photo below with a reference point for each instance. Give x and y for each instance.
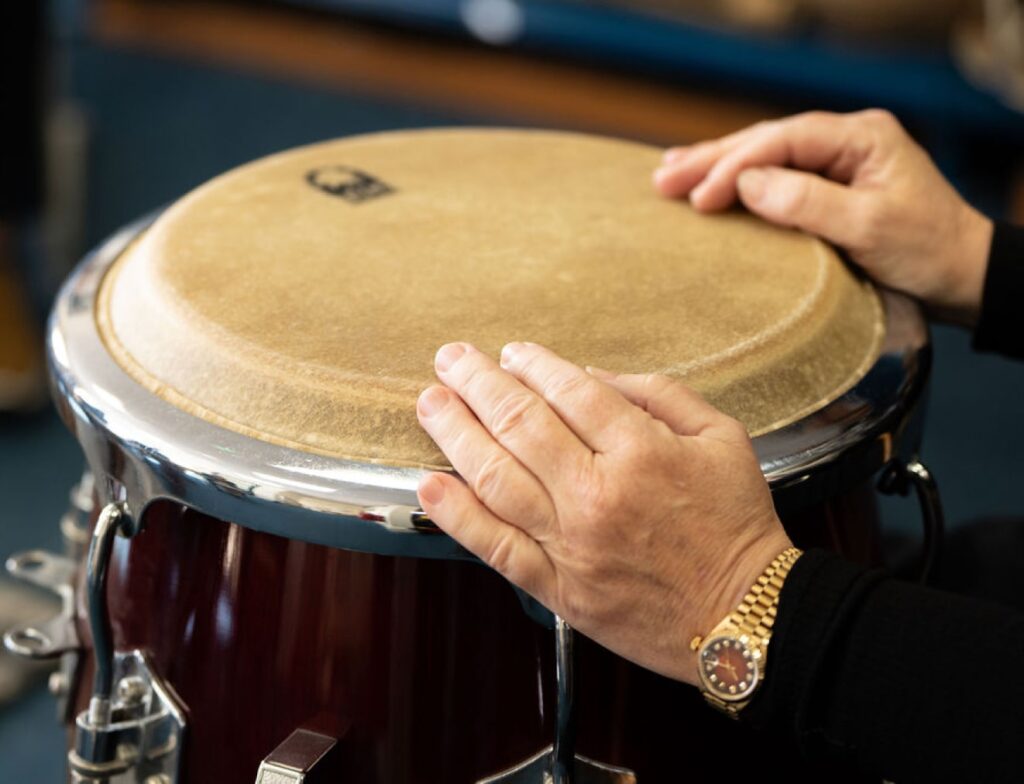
(1001, 325)
(909, 683)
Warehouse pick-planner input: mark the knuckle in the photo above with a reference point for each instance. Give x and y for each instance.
(564, 385)
(815, 115)
(471, 376)
(502, 554)
(491, 476)
(881, 119)
(656, 385)
(510, 413)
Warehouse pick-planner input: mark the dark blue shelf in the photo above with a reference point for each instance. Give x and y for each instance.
(919, 84)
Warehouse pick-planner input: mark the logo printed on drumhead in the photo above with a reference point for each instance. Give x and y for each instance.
(350, 184)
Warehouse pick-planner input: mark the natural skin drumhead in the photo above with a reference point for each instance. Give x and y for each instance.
(300, 299)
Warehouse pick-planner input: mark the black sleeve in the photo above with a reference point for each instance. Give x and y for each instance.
(908, 683)
(1001, 323)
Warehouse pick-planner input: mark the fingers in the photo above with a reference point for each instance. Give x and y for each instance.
(817, 141)
(675, 404)
(683, 167)
(503, 547)
(513, 414)
(497, 478)
(836, 212)
(596, 414)
(814, 142)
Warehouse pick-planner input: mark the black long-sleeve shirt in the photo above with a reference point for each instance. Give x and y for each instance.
(909, 683)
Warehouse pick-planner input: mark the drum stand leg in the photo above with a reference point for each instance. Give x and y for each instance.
(559, 763)
(563, 753)
(900, 478)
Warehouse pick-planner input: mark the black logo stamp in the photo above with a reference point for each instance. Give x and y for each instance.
(350, 184)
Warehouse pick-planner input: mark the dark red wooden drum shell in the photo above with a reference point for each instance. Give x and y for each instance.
(425, 670)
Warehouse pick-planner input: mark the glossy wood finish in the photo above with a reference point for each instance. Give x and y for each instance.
(427, 671)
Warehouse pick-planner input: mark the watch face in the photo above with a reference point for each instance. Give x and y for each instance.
(728, 668)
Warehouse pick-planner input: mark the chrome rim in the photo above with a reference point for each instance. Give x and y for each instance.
(142, 448)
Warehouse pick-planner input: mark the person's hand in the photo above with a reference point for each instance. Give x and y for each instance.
(866, 187)
(625, 504)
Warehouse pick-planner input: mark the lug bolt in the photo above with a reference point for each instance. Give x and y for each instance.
(132, 690)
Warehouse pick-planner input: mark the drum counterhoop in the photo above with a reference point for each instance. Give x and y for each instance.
(142, 449)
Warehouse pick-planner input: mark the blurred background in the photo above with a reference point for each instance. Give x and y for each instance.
(112, 108)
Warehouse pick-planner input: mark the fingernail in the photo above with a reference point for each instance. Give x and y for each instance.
(432, 400)
(661, 174)
(448, 355)
(509, 352)
(431, 491)
(601, 373)
(751, 184)
(674, 154)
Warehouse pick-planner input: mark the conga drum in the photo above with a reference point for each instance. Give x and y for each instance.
(263, 599)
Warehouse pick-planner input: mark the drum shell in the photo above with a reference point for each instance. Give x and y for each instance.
(426, 670)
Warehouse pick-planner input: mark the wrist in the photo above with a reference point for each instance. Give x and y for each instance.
(967, 267)
(733, 656)
(738, 574)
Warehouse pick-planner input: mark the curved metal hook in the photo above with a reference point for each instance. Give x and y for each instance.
(111, 518)
(899, 478)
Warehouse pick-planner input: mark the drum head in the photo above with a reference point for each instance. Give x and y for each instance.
(299, 300)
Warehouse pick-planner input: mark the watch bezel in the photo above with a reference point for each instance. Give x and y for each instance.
(753, 655)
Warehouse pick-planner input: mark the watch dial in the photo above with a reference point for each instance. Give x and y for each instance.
(728, 668)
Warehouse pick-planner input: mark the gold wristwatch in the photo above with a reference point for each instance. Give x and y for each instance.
(732, 658)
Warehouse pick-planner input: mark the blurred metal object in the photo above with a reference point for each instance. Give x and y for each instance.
(55, 574)
(74, 524)
(19, 606)
(47, 639)
(41, 640)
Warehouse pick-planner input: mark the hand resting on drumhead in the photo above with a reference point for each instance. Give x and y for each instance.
(624, 503)
(865, 186)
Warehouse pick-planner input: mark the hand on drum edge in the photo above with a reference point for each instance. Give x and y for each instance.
(624, 503)
(873, 192)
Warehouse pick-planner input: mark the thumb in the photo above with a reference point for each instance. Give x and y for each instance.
(806, 201)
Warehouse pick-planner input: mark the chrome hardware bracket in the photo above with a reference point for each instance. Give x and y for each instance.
(558, 763)
(141, 740)
(900, 477)
(134, 734)
(304, 757)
